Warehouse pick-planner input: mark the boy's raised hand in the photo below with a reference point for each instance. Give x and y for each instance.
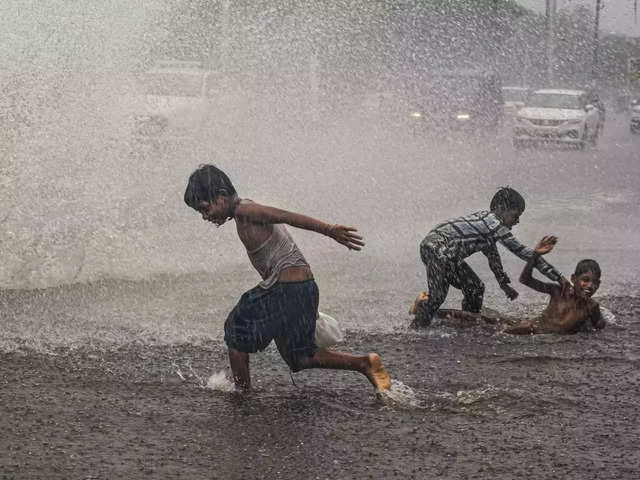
(347, 236)
(546, 244)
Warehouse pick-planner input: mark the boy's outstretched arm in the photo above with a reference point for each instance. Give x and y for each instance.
(526, 278)
(495, 264)
(342, 234)
(504, 236)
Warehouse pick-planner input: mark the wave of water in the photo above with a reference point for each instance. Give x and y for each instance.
(488, 398)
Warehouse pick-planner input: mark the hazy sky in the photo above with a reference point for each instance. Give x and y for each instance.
(616, 17)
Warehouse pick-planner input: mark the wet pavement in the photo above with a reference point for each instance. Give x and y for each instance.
(467, 403)
(122, 374)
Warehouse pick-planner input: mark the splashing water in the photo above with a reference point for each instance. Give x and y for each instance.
(403, 396)
(470, 397)
(220, 382)
(400, 395)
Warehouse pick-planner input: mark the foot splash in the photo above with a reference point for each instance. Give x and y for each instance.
(219, 381)
(400, 396)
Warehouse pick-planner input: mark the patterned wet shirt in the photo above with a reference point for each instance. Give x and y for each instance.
(458, 238)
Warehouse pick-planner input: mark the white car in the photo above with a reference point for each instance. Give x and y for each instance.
(173, 100)
(557, 116)
(635, 116)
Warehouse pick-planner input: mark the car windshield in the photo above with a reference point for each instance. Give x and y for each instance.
(171, 84)
(555, 100)
(514, 95)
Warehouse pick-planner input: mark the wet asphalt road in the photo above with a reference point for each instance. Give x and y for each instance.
(104, 378)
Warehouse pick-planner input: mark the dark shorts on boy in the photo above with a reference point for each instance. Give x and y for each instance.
(284, 312)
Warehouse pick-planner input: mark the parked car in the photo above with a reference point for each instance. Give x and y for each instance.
(172, 99)
(557, 116)
(515, 98)
(455, 101)
(635, 116)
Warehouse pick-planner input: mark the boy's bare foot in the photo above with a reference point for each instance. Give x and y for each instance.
(376, 373)
(422, 296)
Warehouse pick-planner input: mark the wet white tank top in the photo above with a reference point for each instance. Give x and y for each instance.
(278, 252)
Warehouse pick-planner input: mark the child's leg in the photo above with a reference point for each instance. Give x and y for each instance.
(246, 331)
(438, 289)
(463, 318)
(240, 368)
(437, 281)
(465, 279)
(369, 365)
(296, 338)
(522, 328)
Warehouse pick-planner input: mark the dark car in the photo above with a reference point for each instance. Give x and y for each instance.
(456, 101)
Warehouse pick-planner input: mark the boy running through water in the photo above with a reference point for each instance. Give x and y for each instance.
(444, 249)
(284, 306)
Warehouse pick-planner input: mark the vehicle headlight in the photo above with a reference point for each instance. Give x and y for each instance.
(416, 114)
(463, 116)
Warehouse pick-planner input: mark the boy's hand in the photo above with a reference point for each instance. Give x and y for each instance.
(511, 293)
(546, 244)
(347, 236)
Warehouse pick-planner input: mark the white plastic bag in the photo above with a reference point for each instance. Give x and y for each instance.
(327, 331)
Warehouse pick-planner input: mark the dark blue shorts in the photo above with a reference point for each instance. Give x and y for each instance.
(285, 312)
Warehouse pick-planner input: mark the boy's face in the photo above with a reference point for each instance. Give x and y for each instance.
(216, 212)
(585, 284)
(511, 217)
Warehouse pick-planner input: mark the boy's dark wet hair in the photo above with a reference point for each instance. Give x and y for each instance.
(507, 199)
(587, 265)
(206, 184)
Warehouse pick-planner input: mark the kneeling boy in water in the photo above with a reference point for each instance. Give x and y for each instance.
(284, 306)
(445, 248)
(570, 308)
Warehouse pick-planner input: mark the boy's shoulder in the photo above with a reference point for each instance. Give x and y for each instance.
(489, 218)
(486, 216)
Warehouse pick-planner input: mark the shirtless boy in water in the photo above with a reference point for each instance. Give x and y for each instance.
(570, 308)
(284, 306)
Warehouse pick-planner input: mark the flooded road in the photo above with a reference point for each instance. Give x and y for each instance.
(116, 368)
